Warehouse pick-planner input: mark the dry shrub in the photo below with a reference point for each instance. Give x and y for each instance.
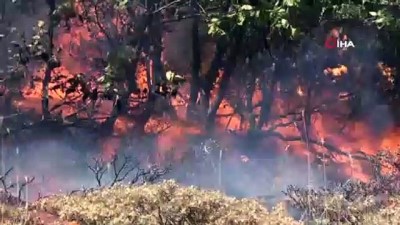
(168, 203)
(387, 215)
(165, 203)
(10, 215)
(355, 202)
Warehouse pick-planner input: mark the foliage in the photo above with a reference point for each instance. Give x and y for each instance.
(116, 68)
(250, 17)
(64, 11)
(14, 216)
(165, 203)
(354, 201)
(292, 20)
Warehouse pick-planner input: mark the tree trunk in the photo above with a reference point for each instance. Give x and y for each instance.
(211, 76)
(228, 71)
(195, 83)
(49, 67)
(154, 50)
(45, 93)
(268, 87)
(142, 119)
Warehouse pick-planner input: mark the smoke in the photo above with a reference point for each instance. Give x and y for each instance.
(56, 166)
(59, 167)
(239, 176)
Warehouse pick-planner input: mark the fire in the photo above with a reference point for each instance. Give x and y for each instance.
(337, 71)
(77, 45)
(387, 72)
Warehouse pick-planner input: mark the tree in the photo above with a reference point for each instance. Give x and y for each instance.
(268, 45)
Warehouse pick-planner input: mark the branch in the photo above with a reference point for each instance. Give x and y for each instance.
(149, 175)
(330, 147)
(98, 169)
(122, 172)
(27, 181)
(3, 180)
(98, 23)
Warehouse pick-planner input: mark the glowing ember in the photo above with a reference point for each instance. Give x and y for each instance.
(337, 71)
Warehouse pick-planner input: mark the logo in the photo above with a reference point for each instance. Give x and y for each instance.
(336, 42)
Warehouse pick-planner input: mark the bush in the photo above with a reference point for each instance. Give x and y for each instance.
(355, 202)
(165, 203)
(10, 215)
(168, 203)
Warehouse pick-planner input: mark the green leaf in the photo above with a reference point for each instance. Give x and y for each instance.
(293, 32)
(380, 20)
(285, 23)
(246, 7)
(214, 20)
(121, 4)
(291, 3)
(241, 18)
(373, 13)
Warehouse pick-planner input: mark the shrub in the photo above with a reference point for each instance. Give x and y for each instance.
(164, 203)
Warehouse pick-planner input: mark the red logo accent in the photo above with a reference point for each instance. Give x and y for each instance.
(330, 43)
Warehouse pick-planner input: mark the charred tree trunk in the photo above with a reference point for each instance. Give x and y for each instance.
(156, 48)
(140, 42)
(158, 76)
(212, 74)
(130, 76)
(48, 60)
(153, 47)
(228, 71)
(142, 119)
(267, 87)
(195, 83)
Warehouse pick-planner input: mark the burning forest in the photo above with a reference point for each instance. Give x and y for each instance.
(242, 97)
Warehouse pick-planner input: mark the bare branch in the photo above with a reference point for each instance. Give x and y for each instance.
(99, 169)
(121, 172)
(28, 180)
(149, 175)
(3, 180)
